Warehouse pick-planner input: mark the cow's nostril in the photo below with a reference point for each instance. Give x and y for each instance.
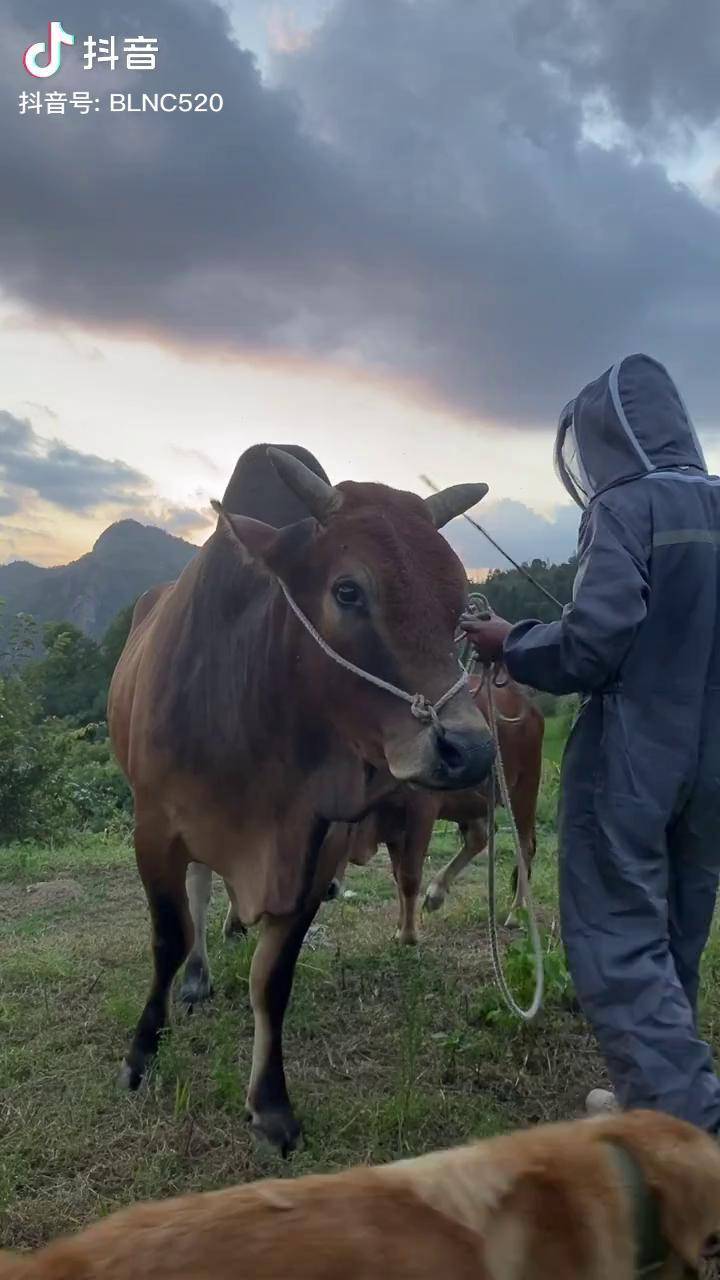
(452, 757)
(463, 759)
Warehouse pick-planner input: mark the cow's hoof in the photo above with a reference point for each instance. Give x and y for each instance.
(434, 897)
(406, 939)
(333, 891)
(196, 984)
(512, 921)
(233, 929)
(279, 1128)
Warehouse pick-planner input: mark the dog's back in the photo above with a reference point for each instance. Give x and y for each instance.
(313, 1228)
(546, 1204)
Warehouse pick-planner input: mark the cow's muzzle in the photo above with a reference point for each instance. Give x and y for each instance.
(443, 758)
(462, 759)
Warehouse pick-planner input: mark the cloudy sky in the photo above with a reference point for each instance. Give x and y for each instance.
(414, 230)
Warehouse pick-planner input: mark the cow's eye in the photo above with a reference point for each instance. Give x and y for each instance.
(348, 594)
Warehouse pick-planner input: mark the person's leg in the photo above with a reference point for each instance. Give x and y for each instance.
(614, 886)
(694, 844)
(692, 897)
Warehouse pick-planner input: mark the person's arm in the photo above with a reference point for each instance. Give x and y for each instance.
(584, 650)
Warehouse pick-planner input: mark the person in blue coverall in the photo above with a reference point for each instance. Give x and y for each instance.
(640, 792)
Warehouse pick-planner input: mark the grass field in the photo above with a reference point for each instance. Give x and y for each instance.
(556, 731)
(390, 1051)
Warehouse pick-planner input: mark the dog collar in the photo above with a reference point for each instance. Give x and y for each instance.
(651, 1249)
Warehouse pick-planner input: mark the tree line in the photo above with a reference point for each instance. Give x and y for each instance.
(515, 598)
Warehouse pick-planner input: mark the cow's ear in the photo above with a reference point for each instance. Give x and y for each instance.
(291, 545)
(256, 542)
(252, 539)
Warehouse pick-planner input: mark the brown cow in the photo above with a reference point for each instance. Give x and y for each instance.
(243, 740)
(404, 819)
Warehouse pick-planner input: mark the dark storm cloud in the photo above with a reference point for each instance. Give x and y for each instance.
(655, 64)
(60, 475)
(418, 195)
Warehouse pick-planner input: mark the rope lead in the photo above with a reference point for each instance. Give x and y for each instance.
(498, 774)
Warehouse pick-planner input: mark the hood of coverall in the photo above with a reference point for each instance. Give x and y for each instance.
(630, 421)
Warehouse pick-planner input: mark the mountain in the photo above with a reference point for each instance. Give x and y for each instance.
(127, 559)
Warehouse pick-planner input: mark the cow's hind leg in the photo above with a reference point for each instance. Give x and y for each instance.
(528, 846)
(197, 983)
(408, 850)
(474, 840)
(407, 865)
(335, 887)
(162, 864)
(523, 798)
(407, 878)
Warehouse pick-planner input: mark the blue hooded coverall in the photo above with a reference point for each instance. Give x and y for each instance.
(640, 791)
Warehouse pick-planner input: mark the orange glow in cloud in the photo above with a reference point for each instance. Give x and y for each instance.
(285, 32)
(344, 372)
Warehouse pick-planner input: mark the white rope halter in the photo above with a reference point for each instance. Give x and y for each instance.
(422, 709)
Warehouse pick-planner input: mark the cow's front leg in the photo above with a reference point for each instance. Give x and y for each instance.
(162, 862)
(271, 978)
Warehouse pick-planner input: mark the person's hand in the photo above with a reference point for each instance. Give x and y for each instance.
(487, 637)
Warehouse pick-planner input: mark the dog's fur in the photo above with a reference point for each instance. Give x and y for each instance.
(546, 1204)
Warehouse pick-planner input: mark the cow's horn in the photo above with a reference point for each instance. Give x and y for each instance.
(452, 502)
(320, 498)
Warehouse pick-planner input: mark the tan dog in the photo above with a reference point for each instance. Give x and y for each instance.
(563, 1202)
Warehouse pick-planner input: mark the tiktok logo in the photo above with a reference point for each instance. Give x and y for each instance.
(53, 49)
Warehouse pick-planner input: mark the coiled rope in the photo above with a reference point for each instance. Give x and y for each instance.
(480, 608)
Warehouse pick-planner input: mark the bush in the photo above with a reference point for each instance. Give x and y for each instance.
(70, 681)
(29, 761)
(96, 791)
(28, 751)
(55, 778)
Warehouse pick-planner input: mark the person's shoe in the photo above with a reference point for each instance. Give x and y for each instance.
(599, 1103)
